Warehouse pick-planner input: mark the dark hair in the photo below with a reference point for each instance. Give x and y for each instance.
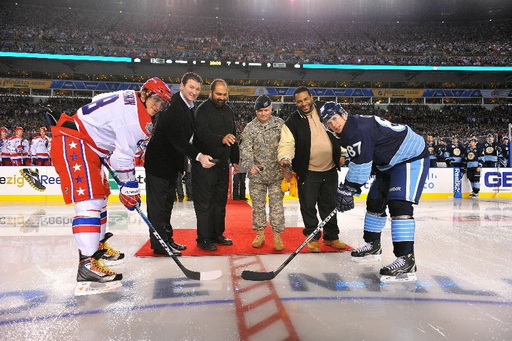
(301, 89)
(191, 75)
(215, 81)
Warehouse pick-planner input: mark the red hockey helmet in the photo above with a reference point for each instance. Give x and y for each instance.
(19, 128)
(157, 86)
(3, 130)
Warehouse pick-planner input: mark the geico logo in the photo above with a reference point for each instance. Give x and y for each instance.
(498, 179)
(12, 180)
(49, 180)
(12, 221)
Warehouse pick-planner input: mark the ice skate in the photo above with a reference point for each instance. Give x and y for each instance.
(473, 195)
(403, 269)
(112, 257)
(94, 277)
(368, 253)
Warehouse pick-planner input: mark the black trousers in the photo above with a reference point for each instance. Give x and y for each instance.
(318, 188)
(210, 187)
(239, 186)
(160, 195)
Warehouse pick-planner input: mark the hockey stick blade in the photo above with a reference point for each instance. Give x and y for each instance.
(200, 276)
(258, 276)
(265, 276)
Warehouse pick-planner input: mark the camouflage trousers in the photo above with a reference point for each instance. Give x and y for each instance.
(258, 192)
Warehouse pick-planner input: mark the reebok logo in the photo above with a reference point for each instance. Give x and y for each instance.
(395, 189)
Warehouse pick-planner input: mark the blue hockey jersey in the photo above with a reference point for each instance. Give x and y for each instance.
(372, 141)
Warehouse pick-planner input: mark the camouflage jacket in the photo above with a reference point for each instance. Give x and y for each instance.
(259, 147)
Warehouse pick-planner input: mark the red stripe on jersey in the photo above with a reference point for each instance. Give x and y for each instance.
(86, 229)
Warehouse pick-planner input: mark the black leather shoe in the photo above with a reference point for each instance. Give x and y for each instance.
(206, 245)
(177, 246)
(164, 253)
(222, 240)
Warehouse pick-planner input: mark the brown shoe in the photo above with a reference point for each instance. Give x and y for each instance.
(259, 240)
(314, 246)
(278, 242)
(335, 243)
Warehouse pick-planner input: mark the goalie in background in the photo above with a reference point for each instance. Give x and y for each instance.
(112, 125)
(399, 158)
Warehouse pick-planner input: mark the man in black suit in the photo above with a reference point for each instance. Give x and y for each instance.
(214, 135)
(165, 159)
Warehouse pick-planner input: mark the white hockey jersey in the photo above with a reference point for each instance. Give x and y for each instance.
(40, 147)
(18, 148)
(115, 123)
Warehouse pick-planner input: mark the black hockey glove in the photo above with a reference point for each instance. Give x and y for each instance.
(345, 198)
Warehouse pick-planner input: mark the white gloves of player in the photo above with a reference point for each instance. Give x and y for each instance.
(129, 194)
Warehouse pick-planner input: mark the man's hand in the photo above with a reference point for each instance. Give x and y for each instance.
(345, 198)
(229, 139)
(206, 161)
(129, 194)
(236, 168)
(286, 169)
(256, 169)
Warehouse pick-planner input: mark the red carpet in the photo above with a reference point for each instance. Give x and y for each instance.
(239, 229)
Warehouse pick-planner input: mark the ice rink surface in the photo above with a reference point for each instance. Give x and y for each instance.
(464, 288)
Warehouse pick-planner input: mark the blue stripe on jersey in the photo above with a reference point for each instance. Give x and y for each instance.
(374, 223)
(403, 230)
(86, 221)
(414, 171)
(412, 146)
(359, 174)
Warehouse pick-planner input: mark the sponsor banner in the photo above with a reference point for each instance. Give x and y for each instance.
(43, 183)
(24, 83)
(410, 93)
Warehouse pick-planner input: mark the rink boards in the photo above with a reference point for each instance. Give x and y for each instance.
(441, 183)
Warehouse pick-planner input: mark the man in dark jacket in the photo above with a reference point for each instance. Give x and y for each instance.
(315, 155)
(215, 136)
(165, 159)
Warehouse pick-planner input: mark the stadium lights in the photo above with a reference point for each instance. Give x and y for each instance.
(404, 67)
(65, 57)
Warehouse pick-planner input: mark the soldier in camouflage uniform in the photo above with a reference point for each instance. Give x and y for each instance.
(258, 154)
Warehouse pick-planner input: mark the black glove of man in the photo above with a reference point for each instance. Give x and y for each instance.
(345, 198)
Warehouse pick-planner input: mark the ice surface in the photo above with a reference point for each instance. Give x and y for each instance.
(463, 292)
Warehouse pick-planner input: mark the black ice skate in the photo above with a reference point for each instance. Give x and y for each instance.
(473, 195)
(94, 277)
(403, 269)
(368, 253)
(32, 177)
(111, 257)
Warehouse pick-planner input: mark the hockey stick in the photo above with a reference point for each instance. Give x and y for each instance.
(265, 276)
(200, 276)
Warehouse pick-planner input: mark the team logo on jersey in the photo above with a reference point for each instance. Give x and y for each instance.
(489, 150)
(471, 156)
(456, 152)
(149, 127)
(431, 150)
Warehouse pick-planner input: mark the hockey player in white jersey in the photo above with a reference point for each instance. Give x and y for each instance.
(40, 148)
(5, 155)
(399, 159)
(112, 126)
(18, 147)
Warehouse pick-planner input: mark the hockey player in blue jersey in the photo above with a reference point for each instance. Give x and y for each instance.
(399, 158)
(473, 161)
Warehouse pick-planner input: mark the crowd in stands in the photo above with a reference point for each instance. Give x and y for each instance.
(87, 32)
(461, 120)
(464, 121)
